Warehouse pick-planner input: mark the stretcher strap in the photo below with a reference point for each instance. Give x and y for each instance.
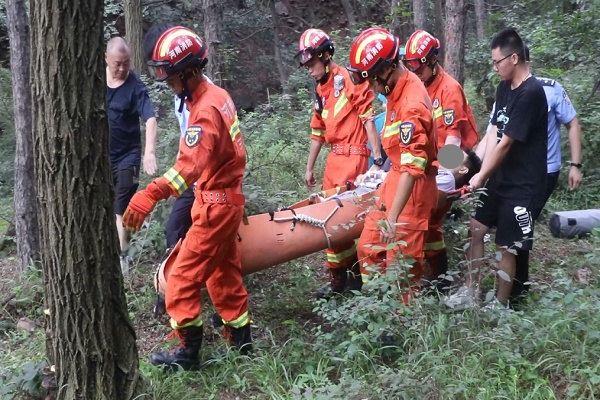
(319, 223)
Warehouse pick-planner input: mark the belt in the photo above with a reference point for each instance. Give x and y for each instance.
(350, 149)
(220, 196)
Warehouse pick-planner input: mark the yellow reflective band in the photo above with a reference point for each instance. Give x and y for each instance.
(342, 101)
(339, 257)
(392, 129)
(407, 158)
(242, 320)
(195, 322)
(365, 277)
(324, 114)
(435, 245)
(235, 129)
(365, 42)
(176, 180)
(166, 43)
(367, 114)
(317, 132)
(437, 112)
(307, 36)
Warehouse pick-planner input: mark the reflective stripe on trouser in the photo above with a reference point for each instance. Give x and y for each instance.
(209, 254)
(435, 250)
(341, 257)
(379, 258)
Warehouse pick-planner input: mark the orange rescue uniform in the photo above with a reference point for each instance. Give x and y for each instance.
(451, 111)
(409, 139)
(212, 154)
(340, 123)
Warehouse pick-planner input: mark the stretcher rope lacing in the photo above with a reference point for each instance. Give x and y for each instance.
(316, 222)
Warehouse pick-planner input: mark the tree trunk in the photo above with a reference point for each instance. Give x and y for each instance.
(420, 14)
(213, 23)
(400, 22)
(277, 43)
(439, 26)
(26, 222)
(455, 39)
(134, 34)
(349, 13)
(90, 339)
(480, 19)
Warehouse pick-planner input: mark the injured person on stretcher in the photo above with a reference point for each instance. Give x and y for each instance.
(449, 182)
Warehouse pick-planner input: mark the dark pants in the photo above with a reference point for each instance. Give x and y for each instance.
(180, 219)
(522, 258)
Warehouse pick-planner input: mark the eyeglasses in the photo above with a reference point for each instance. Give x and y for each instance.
(495, 63)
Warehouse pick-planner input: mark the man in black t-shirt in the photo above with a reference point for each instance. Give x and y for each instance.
(127, 101)
(514, 166)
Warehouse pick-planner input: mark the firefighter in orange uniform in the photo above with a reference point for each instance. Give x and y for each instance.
(454, 121)
(452, 113)
(409, 192)
(212, 154)
(343, 118)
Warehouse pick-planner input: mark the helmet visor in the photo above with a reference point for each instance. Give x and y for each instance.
(304, 56)
(158, 69)
(357, 76)
(412, 65)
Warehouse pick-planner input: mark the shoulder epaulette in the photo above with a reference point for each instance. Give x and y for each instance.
(546, 81)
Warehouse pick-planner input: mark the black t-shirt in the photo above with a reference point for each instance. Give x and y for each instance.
(522, 114)
(126, 105)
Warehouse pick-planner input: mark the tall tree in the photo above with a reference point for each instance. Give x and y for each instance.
(400, 22)
(455, 39)
(213, 25)
(350, 14)
(480, 19)
(277, 45)
(90, 339)
(439, 26)
(134, 33)
(26, 223)
(420, 14)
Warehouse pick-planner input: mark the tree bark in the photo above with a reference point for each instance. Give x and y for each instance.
(134, 34)
(26, 223)
(213, 23)
(400, 24)
(455, 39)
(89, 337)
(439, 26)
(480, 19)
(277, 44)
(420, 14)
(349, 13)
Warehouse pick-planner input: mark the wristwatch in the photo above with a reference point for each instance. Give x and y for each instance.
(379, 161)
(576, 165)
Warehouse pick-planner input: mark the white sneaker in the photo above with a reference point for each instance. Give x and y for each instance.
(496, 305)
(463, 299)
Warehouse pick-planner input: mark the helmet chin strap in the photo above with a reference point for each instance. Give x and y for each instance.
(326, 62)
(186, 93)
(433, 73)
(384, 81)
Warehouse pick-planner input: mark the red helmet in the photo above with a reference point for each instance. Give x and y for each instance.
(372, 50)
(175, 50)
(420, 47)
(313, 42)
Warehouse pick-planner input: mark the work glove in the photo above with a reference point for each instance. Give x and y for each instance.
(139, 207)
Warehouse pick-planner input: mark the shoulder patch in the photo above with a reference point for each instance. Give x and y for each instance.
(546, 81)
(448, 116)
(192, 135)
(406, 132)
